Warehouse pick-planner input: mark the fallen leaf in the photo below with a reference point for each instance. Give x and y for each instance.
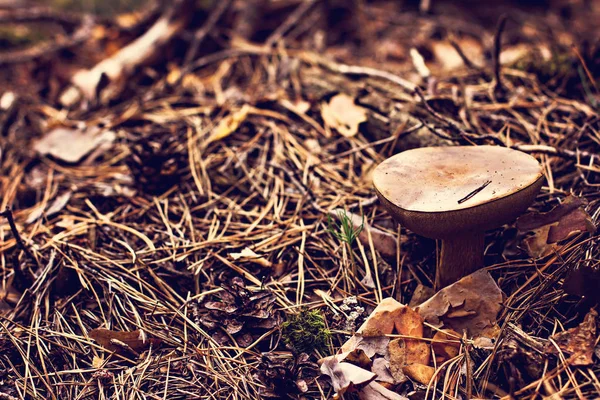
(358, 358)
(448, 58)
(381, 320)
(421, 294)
(57, 205)
(123, 342)
(537, 244)
(344, 376)
(560, 223)
(446, 345)
(97, 362)
(510, 55)
(248, 254)
(71, 145)
(381, 367)
(419, 372)
(229, 124)
(579, 342)
(383, 242)
(343, 115)
(390, 315)
(370, 345)
(470, 304)
(403, 352)
(397, 356)
(376, 391)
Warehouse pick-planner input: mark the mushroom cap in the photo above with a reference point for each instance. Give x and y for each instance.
(442, 191)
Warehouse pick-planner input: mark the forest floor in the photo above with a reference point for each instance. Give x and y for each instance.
(192, 215)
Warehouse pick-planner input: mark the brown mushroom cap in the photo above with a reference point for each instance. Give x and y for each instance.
(428, 189)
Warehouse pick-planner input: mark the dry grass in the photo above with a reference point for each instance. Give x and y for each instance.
(121, 258)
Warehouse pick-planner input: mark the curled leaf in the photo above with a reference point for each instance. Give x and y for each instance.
(560, 223)
(230, 124)
(376, 391)
(344, 375)
(579, 342)
(470, 304)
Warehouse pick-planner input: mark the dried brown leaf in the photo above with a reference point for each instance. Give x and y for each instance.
(579, 342)
(370, 345)
(448, 58)
(446, 345)
(71, 145)
(403, 352)
(470, 304)
(560, 223)
(419, 372)
(359, 358)
(381, 367)
(123, 342)
(248, 254)
(343, 115)
(382, 319)
(421, 294)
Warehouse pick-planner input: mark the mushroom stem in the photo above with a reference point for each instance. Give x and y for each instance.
(461, 255)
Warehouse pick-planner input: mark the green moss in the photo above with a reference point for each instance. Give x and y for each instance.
(558, 65)
(306, 332)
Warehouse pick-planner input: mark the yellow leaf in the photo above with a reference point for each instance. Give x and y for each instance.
(97, 362)
(230, 123)
(343, 115)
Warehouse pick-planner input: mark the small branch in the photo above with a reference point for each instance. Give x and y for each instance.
(290, 21)
(122, 64)
(201, 33)
(13, 228)
(497, 50)
(474, 192)
(41, 14)
(42, 49)
(564, 153)
(462, 55)
(357, 70)
(453, 126)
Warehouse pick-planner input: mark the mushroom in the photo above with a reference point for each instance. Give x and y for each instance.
(455, 194)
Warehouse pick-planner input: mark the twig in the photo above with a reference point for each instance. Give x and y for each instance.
(201, 33)
(564, 153)
(367, 71)
(497, 49)
(452, 125)
(462, 55)
(80, 35)
(585, 68)
(13, 228)
(474, 192)
(290, 21)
